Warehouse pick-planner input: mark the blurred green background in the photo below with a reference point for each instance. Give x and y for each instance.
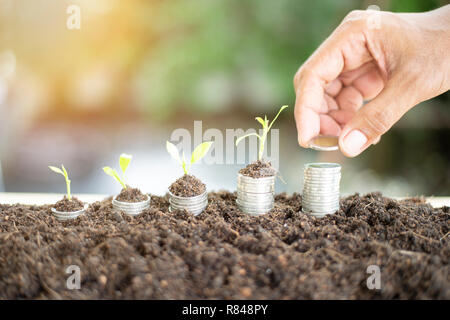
(137, 70)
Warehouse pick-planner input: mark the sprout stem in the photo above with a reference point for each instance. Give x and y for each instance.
(69, 196)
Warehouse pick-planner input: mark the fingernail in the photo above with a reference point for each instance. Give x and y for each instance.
(354, 142)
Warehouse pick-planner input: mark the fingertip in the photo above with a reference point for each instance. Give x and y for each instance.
(353, 143)
(302, 141)
(344, 152)
(343, 149)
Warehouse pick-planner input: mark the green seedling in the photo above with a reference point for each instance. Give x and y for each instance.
(124, 162)
(263, 136)
(66, 176)
(199, 152)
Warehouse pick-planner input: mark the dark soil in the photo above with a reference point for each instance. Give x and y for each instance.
(66, 205)
(259, 169)
(131, 195)
(225, 254)
(187, 186)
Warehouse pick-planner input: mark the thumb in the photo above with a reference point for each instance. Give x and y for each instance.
(371, 121)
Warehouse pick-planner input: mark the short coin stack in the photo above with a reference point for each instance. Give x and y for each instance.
(194, 205)
(255, 195)
(131, 208)
(321, 188)
(64, 216)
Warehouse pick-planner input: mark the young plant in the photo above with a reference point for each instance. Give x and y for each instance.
(66, 176)
(263, 136)
(199, 152)
(124, 162)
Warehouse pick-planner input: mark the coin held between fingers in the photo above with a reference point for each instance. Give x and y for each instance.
(324, 143)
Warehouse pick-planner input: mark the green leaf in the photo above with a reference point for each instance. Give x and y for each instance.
(281, 109)
(66, 176)
(247, 135)
(64, 173)
(110, 171)
(184, 164)
(57, 170)
(124, 161)
(260, 120)
(200, 151)
(113, 173)
(173, 151)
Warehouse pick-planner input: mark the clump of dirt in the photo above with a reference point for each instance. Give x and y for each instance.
(259, 169)
(187, 186)
(225, 254)
(66, 205)
(131, 195)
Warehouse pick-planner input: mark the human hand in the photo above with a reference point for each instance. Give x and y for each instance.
(395, 60)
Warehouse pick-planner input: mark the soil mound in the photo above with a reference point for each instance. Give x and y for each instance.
(131, 195)
(259, 169)
(187, 186)
(66, 205)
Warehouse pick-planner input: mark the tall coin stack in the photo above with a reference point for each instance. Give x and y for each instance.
(255, 195)
(321, 188)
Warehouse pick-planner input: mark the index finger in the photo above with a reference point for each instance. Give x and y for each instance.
(344, 50)
(309, 98)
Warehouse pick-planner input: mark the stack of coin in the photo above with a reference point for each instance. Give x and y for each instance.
(63, 215)
(255, 195)
(321, 188)
(194, 205)
(131, 208)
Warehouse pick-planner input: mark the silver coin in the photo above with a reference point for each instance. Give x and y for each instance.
(320, 194)
(321, 200)
(325, 189)
(322, 167)
(322, 174)
(321, 187)
(64, 216)
(318, 198)
(255, 196)
(318, 189)
(324, 143)
(194, 205)
(320, 209)
(320, 213)
(324, 182)
(317, 202)
(323, 193)
(131, 208)
(254, 209)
